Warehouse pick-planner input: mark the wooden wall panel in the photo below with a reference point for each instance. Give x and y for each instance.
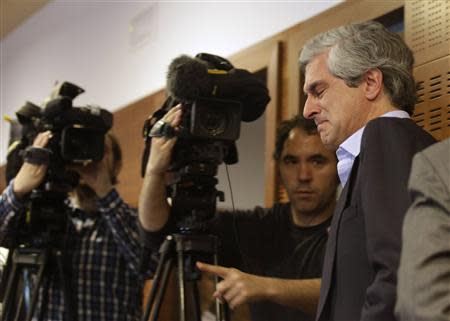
(128, 123)
(2, 177)
(432, 112)
(267, 55)
(272, 119)
(427, 29)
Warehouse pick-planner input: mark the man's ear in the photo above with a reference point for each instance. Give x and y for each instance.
(373, 81)
(117, 168)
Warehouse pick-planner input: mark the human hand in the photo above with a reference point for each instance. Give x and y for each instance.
(236, 287)
(161, 148)
(30, 175)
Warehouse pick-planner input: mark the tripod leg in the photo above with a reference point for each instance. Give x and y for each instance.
(155, 285)
(222, 311)
(19, 315)
(162, 265)
(162, 289)
(43, 257)
(195, 291)
(181, 283)
(10, 292)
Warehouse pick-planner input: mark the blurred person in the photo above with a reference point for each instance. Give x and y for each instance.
(101, 243)
(423, 292)
(361, 93)
(270, 257)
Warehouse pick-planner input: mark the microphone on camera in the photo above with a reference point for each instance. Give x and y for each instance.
(210, 76)
(188, 79)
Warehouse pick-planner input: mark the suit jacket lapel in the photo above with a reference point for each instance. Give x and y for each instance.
(328, 264)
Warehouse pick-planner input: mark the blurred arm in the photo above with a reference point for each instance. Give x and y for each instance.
(153, 206)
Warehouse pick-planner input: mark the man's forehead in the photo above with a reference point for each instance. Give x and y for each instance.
(298, 138)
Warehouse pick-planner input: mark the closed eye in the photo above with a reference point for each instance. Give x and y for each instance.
(289, 160)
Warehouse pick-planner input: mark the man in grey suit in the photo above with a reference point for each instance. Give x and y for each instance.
(423, 292)
(361, 94)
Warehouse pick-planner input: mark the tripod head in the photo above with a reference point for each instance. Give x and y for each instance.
(193, 189)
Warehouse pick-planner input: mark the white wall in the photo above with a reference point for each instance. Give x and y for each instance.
(118, 51)
(91, 43)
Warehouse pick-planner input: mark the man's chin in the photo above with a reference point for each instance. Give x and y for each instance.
(329, 143)
(306, 207)
(85, 191)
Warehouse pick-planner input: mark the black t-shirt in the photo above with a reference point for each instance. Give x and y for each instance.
(266, 242)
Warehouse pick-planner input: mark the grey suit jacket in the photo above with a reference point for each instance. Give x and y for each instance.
(423, 291)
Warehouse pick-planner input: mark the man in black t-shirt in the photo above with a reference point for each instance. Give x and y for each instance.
(273, 256)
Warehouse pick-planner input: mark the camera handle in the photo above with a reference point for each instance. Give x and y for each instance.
(179, 247)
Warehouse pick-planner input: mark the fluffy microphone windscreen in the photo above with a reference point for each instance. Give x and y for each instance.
(188, 79)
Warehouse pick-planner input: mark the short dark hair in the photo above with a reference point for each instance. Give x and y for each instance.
(285, 127)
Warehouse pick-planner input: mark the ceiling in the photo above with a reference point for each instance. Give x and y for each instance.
(14, 12)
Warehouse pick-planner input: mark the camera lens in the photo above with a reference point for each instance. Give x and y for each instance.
(214, 123)
(215, 119)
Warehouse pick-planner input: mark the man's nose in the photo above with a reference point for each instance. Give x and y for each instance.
(310, 109)
(304, 172)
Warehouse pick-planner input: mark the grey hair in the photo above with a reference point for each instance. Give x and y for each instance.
(354, 49)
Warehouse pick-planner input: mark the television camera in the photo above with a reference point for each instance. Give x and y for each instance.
(215, 98)
(77, 138)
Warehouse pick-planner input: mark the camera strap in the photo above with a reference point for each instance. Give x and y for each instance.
(36, 155)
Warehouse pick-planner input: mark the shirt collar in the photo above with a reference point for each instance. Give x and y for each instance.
(396, 114)
(352, 144)
(351, 147)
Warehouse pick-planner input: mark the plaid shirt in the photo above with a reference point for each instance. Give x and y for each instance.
(103, 253)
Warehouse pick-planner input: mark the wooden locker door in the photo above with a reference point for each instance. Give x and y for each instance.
(432, 112)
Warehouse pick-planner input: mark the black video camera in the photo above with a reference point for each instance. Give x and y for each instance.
(215, 98)
(77, 132)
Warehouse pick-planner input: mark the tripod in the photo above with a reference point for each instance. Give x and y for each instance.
(185, 249)
(33, 259)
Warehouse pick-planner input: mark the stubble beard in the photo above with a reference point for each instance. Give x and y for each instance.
(86, 198)
(314, 210)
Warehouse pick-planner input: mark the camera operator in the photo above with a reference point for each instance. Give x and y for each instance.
(278, 251)
(101, 244)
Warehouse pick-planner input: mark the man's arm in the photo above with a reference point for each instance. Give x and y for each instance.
(153, 206)
(239, 288)
(12, 200)
(425, 254)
